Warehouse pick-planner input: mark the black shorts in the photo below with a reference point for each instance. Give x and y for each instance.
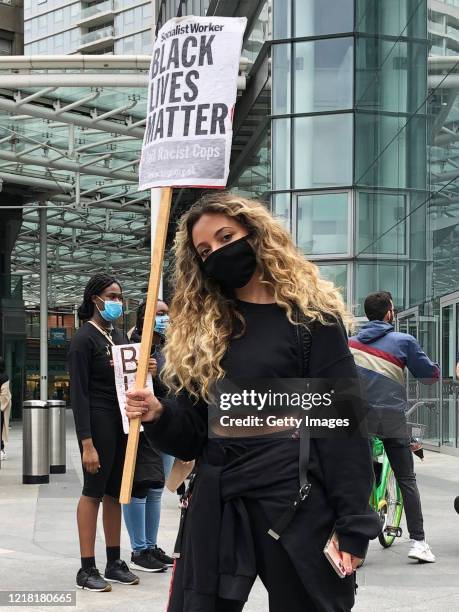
(110, 443)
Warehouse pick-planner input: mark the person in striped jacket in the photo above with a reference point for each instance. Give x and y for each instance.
(381, 355)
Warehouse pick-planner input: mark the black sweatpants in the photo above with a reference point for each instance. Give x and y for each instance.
(286, 591)
(401, 460)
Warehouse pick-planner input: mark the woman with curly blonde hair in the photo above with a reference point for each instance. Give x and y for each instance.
(247, 305)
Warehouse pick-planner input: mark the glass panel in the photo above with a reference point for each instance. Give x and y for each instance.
(6, 47)
(281, 18)
(74, 13)
(146, 11)
(448, 367)
(128, 46)
(322, 223)
(314, 17)
(281, 82)
(381, 223)
(409, 325)
(94, 9)
(389, 151)
(323, 75)
(281, 153)
(371, 277)
(259, 33)
(255, 179)
(429, 413)
(280, 208)
(448, 344)
(337, 274)
(423, 329)
(390, 75)
(98, 34)
(392, 17)
(323, 151)
(443, 151)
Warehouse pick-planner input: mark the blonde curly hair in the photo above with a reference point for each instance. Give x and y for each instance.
(203, 317)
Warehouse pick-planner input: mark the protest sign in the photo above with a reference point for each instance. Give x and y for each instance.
(191, 97)
(187, 142)
(125, 363)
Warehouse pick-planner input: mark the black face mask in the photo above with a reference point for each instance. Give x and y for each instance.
(231, 266)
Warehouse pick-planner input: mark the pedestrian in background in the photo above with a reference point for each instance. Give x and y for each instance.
(142, 515)
(381, 355)
(5, 407)
(99, 429)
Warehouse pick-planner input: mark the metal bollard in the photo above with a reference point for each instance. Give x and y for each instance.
(35, 442)
(56, 436)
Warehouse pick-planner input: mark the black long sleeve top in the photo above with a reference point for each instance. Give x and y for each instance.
(92, 377)
(269, 349)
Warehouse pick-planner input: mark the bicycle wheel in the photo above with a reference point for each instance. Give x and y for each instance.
(391, 512)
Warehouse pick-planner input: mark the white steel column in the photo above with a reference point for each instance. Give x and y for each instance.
(43, 306)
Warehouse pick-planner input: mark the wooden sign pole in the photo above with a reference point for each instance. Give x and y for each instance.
(147, 338)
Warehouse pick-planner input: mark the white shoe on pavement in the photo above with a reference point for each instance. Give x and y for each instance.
(420, 550)
(2, 455)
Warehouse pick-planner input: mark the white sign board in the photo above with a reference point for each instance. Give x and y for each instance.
(191, 97)
(125, 360)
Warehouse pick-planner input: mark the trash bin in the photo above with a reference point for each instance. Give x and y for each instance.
(56, 436)
(35, 442)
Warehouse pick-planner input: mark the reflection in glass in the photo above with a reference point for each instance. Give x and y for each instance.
(322, 223)
(281, 18)
(391, 17)
(259, 33)
(337, 274)
(390, 76)
(448, 366)
(281, 153)
(281, 66)
(323, 151)
(380, 276)
(315, 17)
(381, 223)
(323, 75)
(389, 150)
(280, 208)
(255, 179)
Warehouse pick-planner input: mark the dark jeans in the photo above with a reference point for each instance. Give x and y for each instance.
(401, 460)
(2, 418)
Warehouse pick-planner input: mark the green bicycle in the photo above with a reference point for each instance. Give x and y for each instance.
(386, 497)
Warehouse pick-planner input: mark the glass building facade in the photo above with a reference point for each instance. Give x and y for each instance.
(346, 143)
(348, 130)
(105, 26)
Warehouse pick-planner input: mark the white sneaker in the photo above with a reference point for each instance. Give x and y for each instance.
(2, 455)
(420, 550)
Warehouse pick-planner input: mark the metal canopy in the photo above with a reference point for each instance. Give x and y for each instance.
(71, 129)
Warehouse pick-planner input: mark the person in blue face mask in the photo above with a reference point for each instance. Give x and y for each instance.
(99, 429)
(161, 325)
(142, 514)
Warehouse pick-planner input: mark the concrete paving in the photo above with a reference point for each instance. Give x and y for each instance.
(39, 544)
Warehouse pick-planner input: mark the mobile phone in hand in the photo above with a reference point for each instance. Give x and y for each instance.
(331, 551)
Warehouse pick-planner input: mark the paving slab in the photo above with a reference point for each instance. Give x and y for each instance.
(39, 544)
